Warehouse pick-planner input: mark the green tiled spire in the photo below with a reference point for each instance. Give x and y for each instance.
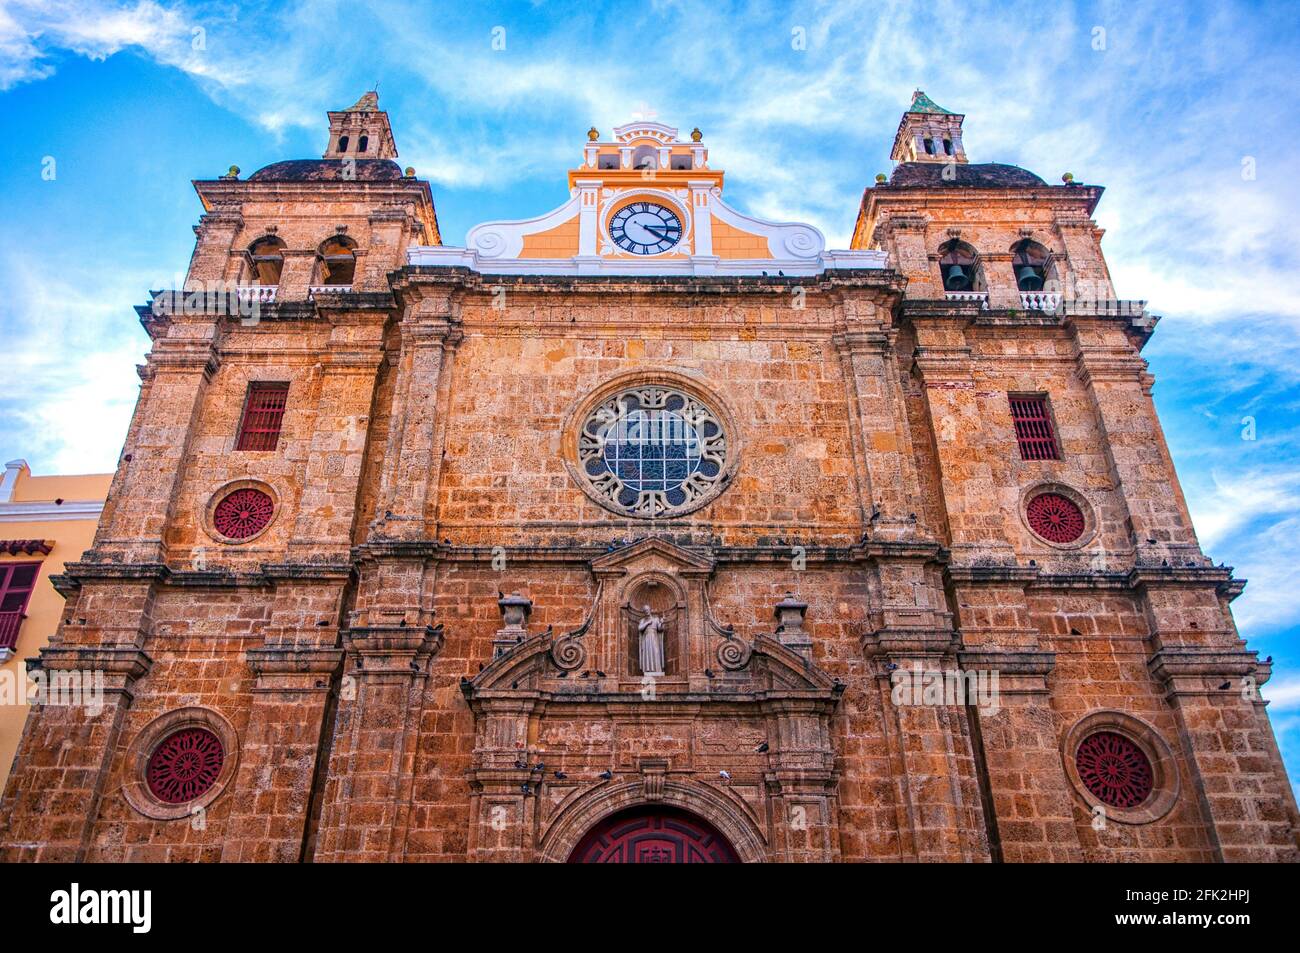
(922, 103)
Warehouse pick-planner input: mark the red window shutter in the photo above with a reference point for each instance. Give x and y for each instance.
(1034, 429)
(17, 580)
(263, 415)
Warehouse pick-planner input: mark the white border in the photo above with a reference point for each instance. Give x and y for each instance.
(446, 256)
(506, 239)
(47, 511)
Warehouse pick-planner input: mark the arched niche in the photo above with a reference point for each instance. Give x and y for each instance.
(663, 595)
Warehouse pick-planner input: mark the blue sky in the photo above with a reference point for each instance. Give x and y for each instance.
(1187, 115)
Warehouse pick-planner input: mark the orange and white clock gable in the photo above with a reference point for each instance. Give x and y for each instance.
(645, 203)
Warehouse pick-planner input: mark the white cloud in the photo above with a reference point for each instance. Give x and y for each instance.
(77, 338)
(1282, 694)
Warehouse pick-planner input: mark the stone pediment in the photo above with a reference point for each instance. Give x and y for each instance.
(764, 670)
(651, 553)
(655, 582)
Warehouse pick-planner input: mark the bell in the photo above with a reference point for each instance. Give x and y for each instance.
(1028, 279)
(957, 279)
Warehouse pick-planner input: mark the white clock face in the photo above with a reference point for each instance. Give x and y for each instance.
(644, 228)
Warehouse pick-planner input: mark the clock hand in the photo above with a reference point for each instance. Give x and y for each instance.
(654, 230)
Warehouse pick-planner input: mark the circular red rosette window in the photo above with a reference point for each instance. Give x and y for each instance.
(243, 513)
(1114, 769)
(185, 765)
(1054, 517)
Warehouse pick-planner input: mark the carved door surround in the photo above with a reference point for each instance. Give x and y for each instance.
(653, 836)
(737, 731)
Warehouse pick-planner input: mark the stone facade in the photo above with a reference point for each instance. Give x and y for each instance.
(429, 652)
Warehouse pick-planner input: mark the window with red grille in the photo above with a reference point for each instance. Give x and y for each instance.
(263, 415)
(243, 514)
(1055, 517)
(1034, 429)
(185, 765)
(1114, 769)
(17, 580)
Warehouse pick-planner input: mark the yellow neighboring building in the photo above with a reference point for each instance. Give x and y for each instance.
(45, 521)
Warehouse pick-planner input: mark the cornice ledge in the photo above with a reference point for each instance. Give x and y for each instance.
(985, 575)
(1182, 576)
(1092, 579)
(909, 642)
(213, 578)
(922, 549)
(1171, 663)
(382, 548)
(311, 571)
(77, 573)
(293, 660)
(392, 648)
(1009, 661)
(942, 308)
(127, 661)
(354, 300)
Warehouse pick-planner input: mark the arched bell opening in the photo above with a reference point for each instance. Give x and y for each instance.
(1033, 266)
(959, 267)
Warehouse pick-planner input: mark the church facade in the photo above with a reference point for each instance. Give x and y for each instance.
(644, 530)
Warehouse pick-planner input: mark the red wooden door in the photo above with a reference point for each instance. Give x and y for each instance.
(653, 836)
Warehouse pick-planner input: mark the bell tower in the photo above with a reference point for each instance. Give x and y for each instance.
(361, 132)
(928, 133)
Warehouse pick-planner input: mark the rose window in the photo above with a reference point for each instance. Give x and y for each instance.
(243, 514)
(1114, 769)
(185, 765)
(652, 451)
(1054, 517)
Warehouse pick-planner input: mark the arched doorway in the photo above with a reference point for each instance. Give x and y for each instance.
(653, 835)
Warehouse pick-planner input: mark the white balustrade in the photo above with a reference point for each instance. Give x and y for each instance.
(262, 294)
(1040, 300)
(981, 296)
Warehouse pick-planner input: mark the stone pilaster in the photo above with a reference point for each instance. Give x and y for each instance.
(211, 262)
(1212, 684)
(280, 753)
(1015, 728)
(65, 758)
(142, 499)
(888, 482)
(372, 766)
(1089, 278)
(1134, 444)
(976, 521)
(430, 332)
(504, 785)
(802, 784)
(905, 238)
(335, 458)
(932, 759)
(389, 230)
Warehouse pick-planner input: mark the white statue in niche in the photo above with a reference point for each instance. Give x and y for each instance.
(651, 628)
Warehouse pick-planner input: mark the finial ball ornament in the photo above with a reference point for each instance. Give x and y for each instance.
(1067, 178)
(696, 135)
(593, 134)
(880, 178)
(410, 171)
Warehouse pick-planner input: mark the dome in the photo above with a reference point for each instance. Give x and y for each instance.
(329, 170)
(984, 175)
